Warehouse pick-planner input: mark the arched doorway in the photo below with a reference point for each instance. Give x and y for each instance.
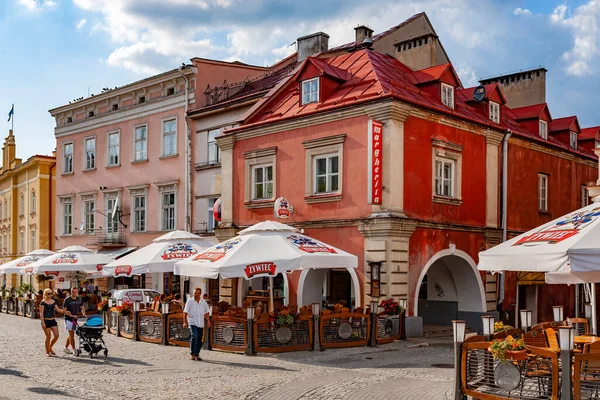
(329, 285)
(448, 288)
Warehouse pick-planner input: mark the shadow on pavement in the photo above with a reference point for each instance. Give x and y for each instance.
(42, 390)
(12, 372)
(252, 366)
(101, 360)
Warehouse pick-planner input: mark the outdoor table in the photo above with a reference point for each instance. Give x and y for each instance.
(586, 339)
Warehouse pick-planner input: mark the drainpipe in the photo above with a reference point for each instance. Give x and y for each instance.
(504, 201)
(188, 157)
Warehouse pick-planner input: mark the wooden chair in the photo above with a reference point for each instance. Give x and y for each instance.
(514, 332)
(552, 340)
(580, 325)
(535, 339)
(592, 347)
(326, 312)
(545, 325)
(358, 310)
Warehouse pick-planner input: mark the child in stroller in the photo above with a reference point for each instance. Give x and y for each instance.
(90, 337)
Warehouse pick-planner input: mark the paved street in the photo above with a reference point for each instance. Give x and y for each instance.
(147, 371)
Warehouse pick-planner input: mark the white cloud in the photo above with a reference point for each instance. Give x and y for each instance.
(81, 23)
(584, 23)
(522, 12)
(37, 5)
(467, 75)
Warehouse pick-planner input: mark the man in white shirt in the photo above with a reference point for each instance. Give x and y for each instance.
(193, 316)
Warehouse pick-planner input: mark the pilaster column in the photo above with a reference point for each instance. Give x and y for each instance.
(226, 144)
(493, 140)
(227, 287)
(492, 237)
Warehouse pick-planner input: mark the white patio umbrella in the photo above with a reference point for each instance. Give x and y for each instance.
(566, 249)
(265, 249)
(69, 259)
(159, 256)
(19, 265)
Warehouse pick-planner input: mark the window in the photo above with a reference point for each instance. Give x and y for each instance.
(211, 222)
(141, 144)
(444, 177)
(585, 196)
(112, 223)
(90, 153)
(139, 213)
(543, 129)
(262, 182)
(6, 209)
(90, 114)
(447, 95)
(89, 207)
(542, 192)
(168, 211)
(326, 170)
(69, 120)
(573, 140)
(310, 91)
(142, 100)
(214, 155)
(115, 107)
(32, 201)
(113, 148)
(597, 143)
(495, 112)
(169, 138)
(67, 218)
(68, 158)
(21, 242)
(170, 91)
(22, 204)
(32, 242)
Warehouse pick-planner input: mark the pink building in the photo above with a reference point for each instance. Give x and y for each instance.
(122, 161)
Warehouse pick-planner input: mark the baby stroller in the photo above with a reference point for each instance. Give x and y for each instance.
(90, 337)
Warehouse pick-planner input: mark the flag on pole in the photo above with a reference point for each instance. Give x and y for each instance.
(11, 112)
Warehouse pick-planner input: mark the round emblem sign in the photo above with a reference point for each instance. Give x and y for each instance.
(183, 333)
(283, 334)
(388, 327)
(507, 376)
(228, 334)
(149, 328)
(345, 330)
(126, 324)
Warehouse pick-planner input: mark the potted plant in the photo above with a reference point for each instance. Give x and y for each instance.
(500, 326)
(508, 349)
(125, 308)
(103, 306)
(284, 319)
(391, 307)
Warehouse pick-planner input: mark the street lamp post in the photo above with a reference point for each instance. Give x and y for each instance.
(557, 312)
(208, 330)
(488, 326)
(249, 328)
(317, 338)
(566, 335)
(404, 305)
(164, 307)
(458, 328)
(373, 307)
(136, 320)
(525, 319)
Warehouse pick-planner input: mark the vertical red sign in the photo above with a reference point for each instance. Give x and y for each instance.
(375, 130)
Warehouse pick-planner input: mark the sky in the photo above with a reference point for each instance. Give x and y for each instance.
(54, 51)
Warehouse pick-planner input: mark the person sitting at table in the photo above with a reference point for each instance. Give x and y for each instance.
(258, 308)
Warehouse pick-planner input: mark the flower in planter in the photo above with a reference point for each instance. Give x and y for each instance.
(103, 306)
(500, 347)
(500, 326)
(125, 309)
(391, 307)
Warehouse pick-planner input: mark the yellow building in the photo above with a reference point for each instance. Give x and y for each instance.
(27, 192)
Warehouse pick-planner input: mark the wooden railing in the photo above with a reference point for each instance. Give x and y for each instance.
(112, 320)
(586, 376)
(482, 377)
(3, 304)
(150, 326)
(344, 330)
(272, 338)
(176, 333)
(389, 328)
(229, 334)
(126, 326)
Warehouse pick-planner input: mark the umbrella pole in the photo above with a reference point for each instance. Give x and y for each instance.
(594, 321)
(271, 304)
(576, 300)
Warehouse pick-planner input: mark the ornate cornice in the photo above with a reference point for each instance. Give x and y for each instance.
(492, 137)
(226, 142)
(324, 141)
(386, 227)
(270, 151)
(391, 109)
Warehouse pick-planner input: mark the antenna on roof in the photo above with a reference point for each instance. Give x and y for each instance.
(479, 93)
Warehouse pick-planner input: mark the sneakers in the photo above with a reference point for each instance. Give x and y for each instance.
(68, 351)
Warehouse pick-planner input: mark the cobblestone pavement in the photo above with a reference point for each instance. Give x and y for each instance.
(137, 370)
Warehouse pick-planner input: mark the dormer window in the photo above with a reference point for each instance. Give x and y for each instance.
(447, 95)
(543, 129)
(495, 112)
(310, 91)
(573, 140)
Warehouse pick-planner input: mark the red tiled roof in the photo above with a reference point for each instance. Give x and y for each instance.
(534, 111)
(562, 124)
(330, 70)
(590, 133)
(431, 74)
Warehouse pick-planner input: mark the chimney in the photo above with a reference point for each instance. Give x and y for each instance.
(523, 88)
(11, 149)
(362, 32)
(312, 44)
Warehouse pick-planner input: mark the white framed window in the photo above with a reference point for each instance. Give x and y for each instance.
(169, 137)
(326, 170)
(114, 148)
(90, 153)
(447, 95)
(310, 91)
(168, 211)
(262, 182)
(32, 200)
(445, 177)
(68, 158)
(495, 112)
(585, 196)
(543, 129)
(32, 241)
(6, 216)
(89, 217)
(67, 208)
(21, 242)
(139, 213)
(573, 140)
(140, 151)
(542, 192)
(211, 222)
(214, 154)
(22, 204)
(597, 143)
(112, 223)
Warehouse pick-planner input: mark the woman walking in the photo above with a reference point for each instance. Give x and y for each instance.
(48, 310)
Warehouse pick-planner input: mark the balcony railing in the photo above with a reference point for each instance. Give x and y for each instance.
(101, 237)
